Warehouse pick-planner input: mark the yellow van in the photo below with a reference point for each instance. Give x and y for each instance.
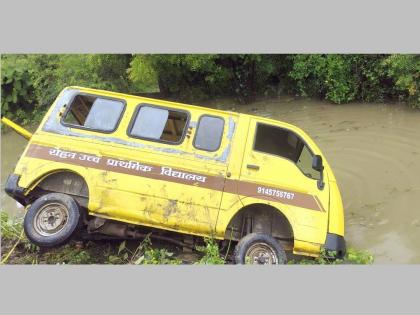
(111, 164)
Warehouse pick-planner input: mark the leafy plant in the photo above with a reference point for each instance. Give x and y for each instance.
(328, 76)
(405, 72)
(344, 78)
(187, 77)
(309, 75)
(340, 82)
(370, 75)
(17, 91)
(143, 254)
(142, 73)
(211, 254)
(359, 257)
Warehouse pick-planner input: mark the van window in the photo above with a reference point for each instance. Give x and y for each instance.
(209, 133)
(159, 124)
(91, 112)
(286, 144)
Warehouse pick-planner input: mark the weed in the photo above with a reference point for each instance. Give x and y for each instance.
(10, 229)
(211, 254)
(68, 254)
(143, 254)
(352, 257)
(359, 257)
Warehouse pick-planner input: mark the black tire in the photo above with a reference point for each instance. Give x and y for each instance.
(262, 241)
(45, 211)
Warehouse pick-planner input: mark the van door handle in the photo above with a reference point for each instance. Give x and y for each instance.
(253, 167)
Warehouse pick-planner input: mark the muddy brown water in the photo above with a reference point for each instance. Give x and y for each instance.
(374, 150)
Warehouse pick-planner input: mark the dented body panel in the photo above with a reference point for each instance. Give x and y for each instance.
(179, 187)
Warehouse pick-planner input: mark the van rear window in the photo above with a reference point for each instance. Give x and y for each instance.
(159, 124)
(95, 113)
(209, 133)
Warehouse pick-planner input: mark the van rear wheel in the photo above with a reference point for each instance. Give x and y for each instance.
(52, 220)
(259, 249)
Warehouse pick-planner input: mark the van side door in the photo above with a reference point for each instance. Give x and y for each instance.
(210, 149)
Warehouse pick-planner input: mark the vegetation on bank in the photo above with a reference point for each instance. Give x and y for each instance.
(16, 249)
(30, 83)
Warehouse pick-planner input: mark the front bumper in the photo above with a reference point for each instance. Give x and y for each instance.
(13, 190)
(336, 244)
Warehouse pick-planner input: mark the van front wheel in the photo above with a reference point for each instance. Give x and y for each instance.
(52, 220)
(259, 249)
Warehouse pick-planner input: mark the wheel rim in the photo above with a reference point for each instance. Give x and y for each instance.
(261, 254)
(51, 219)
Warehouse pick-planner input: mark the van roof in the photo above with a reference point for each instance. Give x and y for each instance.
(144, 98)
(155, 100)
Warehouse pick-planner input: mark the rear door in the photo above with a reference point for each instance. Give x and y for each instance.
(277, 167)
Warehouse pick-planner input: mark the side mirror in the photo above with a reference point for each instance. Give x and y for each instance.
(318, 166)
(317, 163)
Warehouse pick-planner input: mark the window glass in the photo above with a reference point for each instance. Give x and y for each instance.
(150, 122)
(209, 133)
(159, 124)
(286, 144)
(305, 163)
(94, 113)
(276, 141)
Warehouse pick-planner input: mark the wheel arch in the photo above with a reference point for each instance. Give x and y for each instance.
(267, 218)
(63, 180)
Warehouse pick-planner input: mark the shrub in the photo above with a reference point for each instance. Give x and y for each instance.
(30, 83)
(309, 75)
(340, 82)
(404, 70)
(17, 90)
(185, 77)
(372, 82)
(344, 78)
(54, 72)
(325, 76)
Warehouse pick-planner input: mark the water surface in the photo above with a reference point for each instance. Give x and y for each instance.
(374, 151)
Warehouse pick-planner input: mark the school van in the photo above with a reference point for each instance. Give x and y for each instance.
(110, 164)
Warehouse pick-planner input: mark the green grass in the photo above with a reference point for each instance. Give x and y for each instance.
(10, 229)
(16, 249)
(352, 257)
